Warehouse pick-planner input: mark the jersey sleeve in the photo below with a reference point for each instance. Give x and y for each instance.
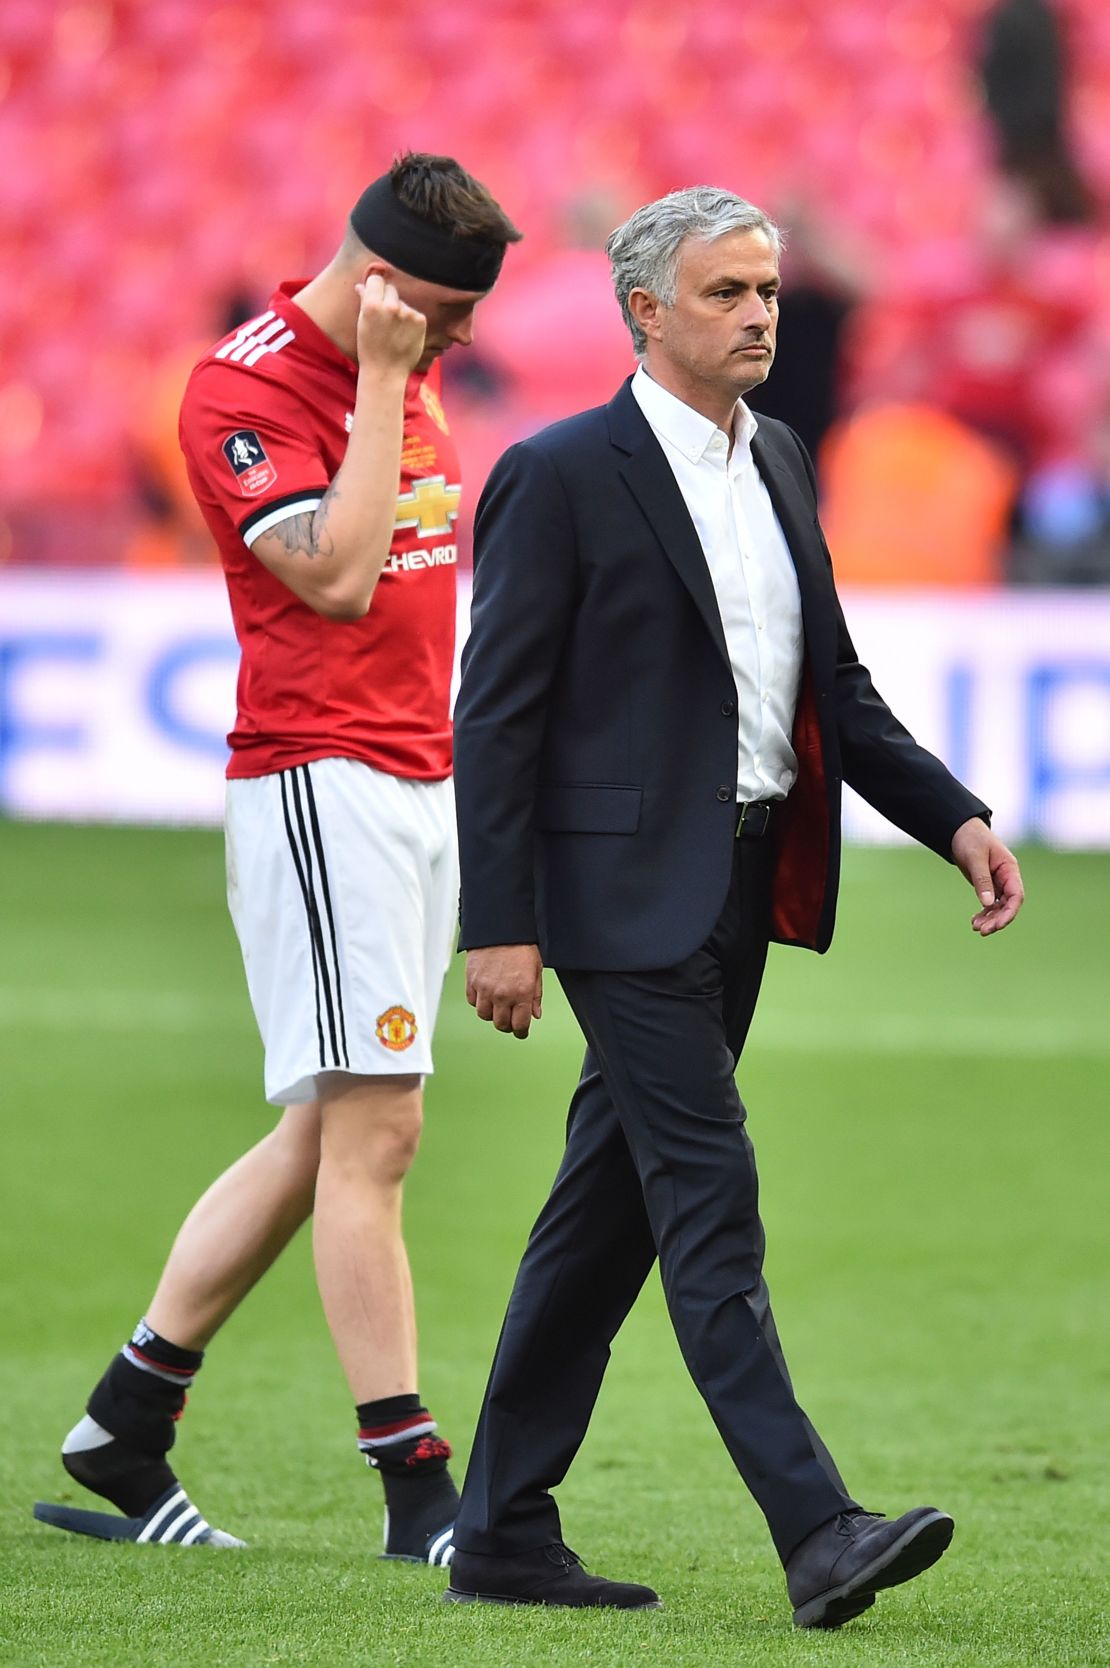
(250, 451)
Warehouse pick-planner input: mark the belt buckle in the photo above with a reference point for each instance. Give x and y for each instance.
(760, 806)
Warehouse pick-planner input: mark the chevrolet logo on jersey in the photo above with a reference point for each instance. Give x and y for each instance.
(430, 507)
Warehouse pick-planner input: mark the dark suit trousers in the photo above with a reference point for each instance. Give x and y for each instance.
(658, 1163)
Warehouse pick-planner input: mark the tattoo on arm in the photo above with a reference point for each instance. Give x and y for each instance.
(307, 534)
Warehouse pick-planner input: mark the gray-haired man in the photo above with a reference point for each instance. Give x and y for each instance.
(660, 701)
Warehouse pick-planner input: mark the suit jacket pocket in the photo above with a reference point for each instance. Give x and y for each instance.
(587, 808)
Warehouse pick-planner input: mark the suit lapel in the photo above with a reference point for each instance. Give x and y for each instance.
(652, 484)
(799, 524)
(645, 468)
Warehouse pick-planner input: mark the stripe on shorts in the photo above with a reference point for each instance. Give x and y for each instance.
(307, 897)
(308, 860)
(326, 890)
(317, 876)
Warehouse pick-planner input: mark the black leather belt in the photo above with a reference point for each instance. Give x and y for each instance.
(753, 819)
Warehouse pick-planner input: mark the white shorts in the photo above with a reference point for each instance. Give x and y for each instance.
(343, 884)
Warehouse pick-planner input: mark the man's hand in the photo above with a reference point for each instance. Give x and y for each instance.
(993, 871)
(390, 334)
(505, 983)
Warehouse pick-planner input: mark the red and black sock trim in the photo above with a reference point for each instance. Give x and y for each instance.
(143, 1392)
(397, 1434)
(151, 1353)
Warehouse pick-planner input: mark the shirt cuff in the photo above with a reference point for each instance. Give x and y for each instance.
(277, 510)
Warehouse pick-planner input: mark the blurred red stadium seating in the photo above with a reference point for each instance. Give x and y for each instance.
(159, 155)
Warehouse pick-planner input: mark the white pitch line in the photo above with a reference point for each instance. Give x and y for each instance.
(112, 1010)
(1017, 1037)
(1033, 1038)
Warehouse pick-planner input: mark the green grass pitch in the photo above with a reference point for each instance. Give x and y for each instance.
(931, 1115)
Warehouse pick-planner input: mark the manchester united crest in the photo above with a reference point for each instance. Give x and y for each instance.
(433, 406)
(397, 1029)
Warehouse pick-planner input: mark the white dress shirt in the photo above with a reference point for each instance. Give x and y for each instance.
(752, 573)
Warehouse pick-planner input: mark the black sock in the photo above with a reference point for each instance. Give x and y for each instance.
(119, 1449)
(397, 1435)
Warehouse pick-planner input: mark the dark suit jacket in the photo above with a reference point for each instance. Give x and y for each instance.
(596, 725)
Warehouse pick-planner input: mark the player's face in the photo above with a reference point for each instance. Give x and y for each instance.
(720, 332)
(450, 314)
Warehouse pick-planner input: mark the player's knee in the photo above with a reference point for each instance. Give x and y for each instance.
(371, 1129)
(393, 1143)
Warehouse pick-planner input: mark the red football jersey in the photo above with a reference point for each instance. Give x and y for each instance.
(264, 427)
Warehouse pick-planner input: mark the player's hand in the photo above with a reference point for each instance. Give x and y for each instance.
(390, 334)
(993, 871)
(505, 983)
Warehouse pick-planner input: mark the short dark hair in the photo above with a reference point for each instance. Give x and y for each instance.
(440, 190)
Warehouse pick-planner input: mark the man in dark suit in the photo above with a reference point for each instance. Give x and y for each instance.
(660, 701)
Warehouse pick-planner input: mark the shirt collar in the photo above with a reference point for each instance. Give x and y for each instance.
(283, 301)
(684, 428)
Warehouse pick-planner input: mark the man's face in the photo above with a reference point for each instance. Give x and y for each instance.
(720, 332)
(450, 314)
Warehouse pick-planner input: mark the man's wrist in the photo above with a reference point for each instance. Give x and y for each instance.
(382, 378)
